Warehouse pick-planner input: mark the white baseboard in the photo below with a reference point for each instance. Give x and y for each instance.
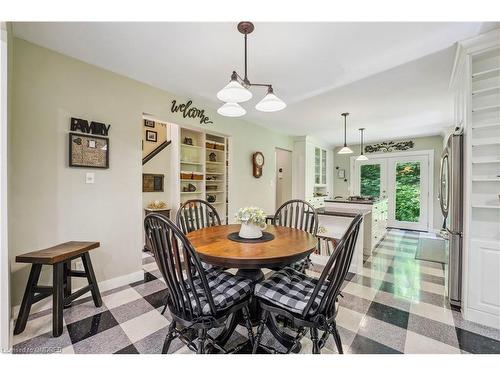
(481, 317)
(103, 287)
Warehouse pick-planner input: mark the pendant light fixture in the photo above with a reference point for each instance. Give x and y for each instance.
(237, 90)
(345, 149)
(361, 157)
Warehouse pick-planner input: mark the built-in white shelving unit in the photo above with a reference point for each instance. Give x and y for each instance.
(216, 173)
(476, 82)
(203, 168)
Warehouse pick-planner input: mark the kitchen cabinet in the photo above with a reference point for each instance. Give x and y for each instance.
(375, 227)
(320, 166)
(312, 176)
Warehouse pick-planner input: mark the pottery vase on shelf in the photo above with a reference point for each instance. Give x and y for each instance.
(251, 231)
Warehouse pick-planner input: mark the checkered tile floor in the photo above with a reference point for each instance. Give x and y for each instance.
(396, 305)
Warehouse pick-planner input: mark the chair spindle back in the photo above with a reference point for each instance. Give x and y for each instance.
(178, 264)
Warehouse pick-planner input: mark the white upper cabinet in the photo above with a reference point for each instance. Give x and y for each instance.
(312, 163)
(320, 166)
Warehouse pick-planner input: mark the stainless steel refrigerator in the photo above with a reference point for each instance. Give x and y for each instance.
(451, 200)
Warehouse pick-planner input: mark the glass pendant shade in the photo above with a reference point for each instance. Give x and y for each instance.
(231, 110)
(270, 103)
(234, 92)
(361, 158)
(345, 150)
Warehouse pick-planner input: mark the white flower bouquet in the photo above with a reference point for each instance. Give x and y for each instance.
(253, 222)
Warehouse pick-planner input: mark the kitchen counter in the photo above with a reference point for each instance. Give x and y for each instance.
(335, 212)
(349, 201)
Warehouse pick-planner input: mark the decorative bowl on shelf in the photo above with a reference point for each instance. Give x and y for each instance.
(157, 205)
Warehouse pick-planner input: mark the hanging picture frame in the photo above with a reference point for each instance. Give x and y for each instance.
(149, 123)
(152, 182)
(88, 151)
(151, 136)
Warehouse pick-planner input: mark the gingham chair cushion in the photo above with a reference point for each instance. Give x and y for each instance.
(291, 290)
(302, 265)
(227, 290)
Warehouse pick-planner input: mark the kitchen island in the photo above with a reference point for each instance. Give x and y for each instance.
(374, 218)
(333, 223)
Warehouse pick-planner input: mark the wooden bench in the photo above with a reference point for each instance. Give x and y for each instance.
(59, 257)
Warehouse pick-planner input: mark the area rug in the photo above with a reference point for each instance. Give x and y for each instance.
(432, 250)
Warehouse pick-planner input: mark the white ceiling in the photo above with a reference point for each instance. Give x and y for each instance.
(391, 77)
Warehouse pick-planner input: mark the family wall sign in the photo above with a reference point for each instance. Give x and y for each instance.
(95, 128)
(192, 112)
(88, 144)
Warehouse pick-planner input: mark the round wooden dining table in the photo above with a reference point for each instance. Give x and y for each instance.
(289, 245)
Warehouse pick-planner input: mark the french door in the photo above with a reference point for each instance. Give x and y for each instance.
(404, 181)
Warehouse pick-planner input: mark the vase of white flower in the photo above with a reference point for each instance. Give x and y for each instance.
(253, 222)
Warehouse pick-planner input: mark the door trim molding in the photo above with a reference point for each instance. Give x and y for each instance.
(428, 153)
(5, 326)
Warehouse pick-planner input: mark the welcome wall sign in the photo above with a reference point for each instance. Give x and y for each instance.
(192, 112)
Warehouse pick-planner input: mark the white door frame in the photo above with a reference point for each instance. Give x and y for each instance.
(430, 155)
(4, 252)
(276, 149)
(423, 223)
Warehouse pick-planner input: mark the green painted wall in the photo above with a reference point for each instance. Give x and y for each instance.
(50, 202)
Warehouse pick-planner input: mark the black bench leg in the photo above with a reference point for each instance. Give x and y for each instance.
(57, 299)
(96, 295)
(67, 282)
(24, 312)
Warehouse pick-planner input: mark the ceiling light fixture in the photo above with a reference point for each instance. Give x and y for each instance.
(237, 90)
(345, 149)
(361, 156)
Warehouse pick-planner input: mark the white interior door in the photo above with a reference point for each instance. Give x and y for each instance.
(408, 192)
(283, 176)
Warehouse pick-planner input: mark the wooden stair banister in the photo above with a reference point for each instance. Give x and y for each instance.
(155, 152)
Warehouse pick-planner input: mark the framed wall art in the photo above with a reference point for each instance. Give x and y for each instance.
(152, 182)
(149, 123)
(151, 136)
(88, 151)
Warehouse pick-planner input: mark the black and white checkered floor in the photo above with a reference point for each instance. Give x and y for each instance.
(396, 305)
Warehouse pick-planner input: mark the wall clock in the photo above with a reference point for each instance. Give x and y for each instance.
(258, 163)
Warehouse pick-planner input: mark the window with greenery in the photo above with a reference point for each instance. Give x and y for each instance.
(408, 191)
(370, 180)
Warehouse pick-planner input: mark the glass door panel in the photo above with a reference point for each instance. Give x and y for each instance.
(370, 178)
(317, 165)
(323, 167)
(408, 192)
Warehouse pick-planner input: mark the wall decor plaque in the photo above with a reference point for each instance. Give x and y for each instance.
(88, 151)
(152, 182)
(95, 127)
(192, 112)
(390, 146)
